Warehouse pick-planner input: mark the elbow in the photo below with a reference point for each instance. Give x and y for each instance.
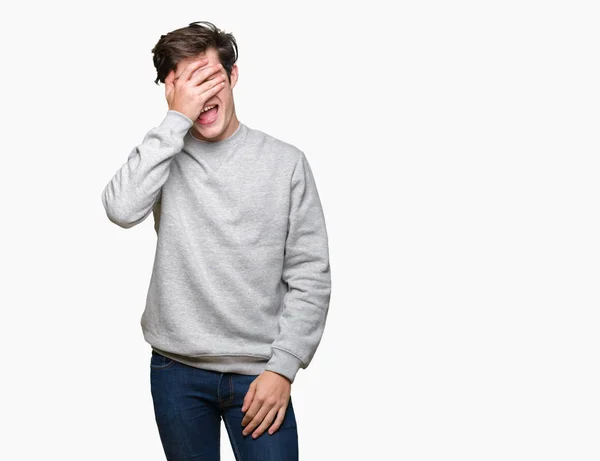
(121, 220)
(117, 213)
(118, 217)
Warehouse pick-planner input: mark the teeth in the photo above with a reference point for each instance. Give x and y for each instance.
(208, 108)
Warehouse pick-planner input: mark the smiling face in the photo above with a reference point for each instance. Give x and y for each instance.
(226, 122)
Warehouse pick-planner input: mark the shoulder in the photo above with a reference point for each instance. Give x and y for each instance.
(274, 148)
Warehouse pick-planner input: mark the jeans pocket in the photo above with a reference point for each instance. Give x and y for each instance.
(159, 361)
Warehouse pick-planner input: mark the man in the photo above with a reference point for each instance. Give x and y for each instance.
(241, 283)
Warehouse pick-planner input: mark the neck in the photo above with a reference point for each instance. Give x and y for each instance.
(234, 133)
(231, 128)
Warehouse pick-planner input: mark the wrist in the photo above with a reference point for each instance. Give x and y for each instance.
(284, 363)
(176, 122)
(179, 111)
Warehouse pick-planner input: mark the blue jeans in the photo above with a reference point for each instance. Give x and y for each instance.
(189, 403)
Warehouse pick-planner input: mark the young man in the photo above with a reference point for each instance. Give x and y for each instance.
(241, 283)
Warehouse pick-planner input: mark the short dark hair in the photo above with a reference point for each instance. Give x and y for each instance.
(190, 41)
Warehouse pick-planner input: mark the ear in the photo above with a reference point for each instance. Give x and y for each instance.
(234, 75)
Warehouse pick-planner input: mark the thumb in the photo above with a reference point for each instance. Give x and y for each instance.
(169, 82)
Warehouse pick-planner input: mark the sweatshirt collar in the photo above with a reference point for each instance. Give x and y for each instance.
(218, 146)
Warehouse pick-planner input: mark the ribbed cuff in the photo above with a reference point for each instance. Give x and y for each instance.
(284, 363)
(176, 122)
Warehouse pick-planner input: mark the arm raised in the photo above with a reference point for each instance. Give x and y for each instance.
(130, 194)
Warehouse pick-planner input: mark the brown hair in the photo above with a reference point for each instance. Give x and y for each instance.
(190, 41)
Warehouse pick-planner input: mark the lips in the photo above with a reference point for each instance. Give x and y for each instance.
(210, 116)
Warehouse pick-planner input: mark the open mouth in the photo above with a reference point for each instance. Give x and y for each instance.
(209, 114)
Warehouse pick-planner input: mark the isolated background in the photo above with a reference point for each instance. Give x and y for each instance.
(455, 147)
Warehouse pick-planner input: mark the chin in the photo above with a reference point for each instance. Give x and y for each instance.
(210, 131)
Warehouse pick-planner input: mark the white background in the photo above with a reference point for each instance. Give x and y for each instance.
(455, 147)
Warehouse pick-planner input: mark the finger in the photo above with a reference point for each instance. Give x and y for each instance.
(210, 87)
(249, 396)
(197, 71)
(215, 79)
(190, 68)
(278, 421)
(266, 422)
(260, 416)
(252, 411)
(205, 73)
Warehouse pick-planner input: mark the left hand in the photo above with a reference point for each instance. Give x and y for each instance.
(266, 400)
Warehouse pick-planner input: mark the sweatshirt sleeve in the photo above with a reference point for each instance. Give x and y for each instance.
(307, 273)
(129, 196)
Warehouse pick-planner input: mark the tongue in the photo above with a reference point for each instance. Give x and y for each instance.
(209, 116)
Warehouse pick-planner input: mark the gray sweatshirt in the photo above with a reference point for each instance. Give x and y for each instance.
(241, 279)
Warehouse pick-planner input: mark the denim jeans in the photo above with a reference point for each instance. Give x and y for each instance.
(189, 403)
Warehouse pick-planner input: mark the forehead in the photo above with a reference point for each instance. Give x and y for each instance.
(211, 54)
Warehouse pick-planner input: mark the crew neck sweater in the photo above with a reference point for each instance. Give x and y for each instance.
(241, 280)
